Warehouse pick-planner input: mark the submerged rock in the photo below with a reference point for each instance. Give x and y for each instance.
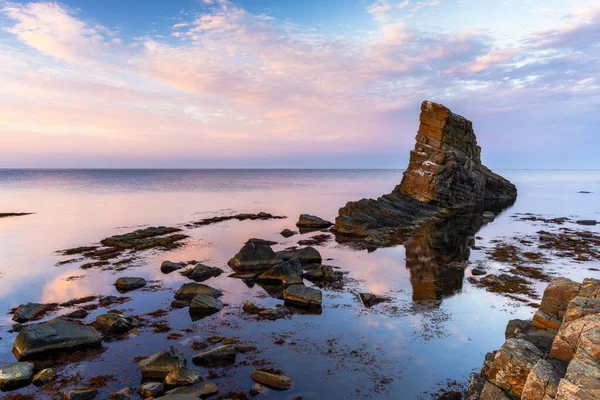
(323, 273)
(159, 365)
(123, 394)
(218, 357)
(267, 313)
(279, 382)
(201, 390)
(444, 174)
(44, 376)
(312, 221)
(302, 296)
(80, 394)
(370, 299)
(59, 334)
(287, 273)
(15, 375)
(78, 314)
(202, 272)
(255, 255)
(188, 291)
(126, 284)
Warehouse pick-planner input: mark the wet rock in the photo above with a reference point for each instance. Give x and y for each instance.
(267, 313)
(182, 377)
(520, 329)
(179, 304)
(177, 397)
(123, 394)
(188, 291)
(492, 392)
(512, 365)
(287, 273)
(16, 375)
(478, 271)
(113, 323)
(257, 389)
(16, 327)
(370, 299)
(312, 221)
(78, 314)
(554, 304)
(202, 272)
(126, 284)
(201, 390)
(168, 266)
(306, 255)
(302, 296)
(569, 334)
(240, 217)
(279, 382)
(80, 394)
(587, 222)
(542, 382)
(323, 273)
(255, 255)
(106, 301)
(244, 347)
(217, 357)
(44, 376)
(59, 334)
(203, 305)
(159, 365)
(444, 173)
(151, 389)
(31, 311)
(286, 233)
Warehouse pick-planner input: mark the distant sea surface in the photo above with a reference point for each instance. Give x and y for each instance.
(434, 329)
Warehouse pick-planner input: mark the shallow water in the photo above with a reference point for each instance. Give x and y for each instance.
(437, 327)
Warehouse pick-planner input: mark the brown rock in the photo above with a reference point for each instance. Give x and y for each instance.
(566, 341)
(255, 255)
(492, 392)
(542, 382)
(182, 377)
(554, 304)
(582, 380)
(279, 382)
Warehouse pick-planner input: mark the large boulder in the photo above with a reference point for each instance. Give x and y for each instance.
(59, 334)
(16, 375)
(255, 255)
(188, 291)
(312, 221)
(542, 382)
(590, 288)
(287, 273)
(159, 365)
(579, 307)
(554, 304)
(202, 272)
(582, 380)
(512, 365)
(203, 305)
(302, 296)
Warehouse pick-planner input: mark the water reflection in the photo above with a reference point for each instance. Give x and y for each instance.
(435, 256)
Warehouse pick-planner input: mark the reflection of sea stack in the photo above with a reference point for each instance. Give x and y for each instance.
(430, 253)
(445, 176)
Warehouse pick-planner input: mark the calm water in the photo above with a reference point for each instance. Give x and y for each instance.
(438, 326)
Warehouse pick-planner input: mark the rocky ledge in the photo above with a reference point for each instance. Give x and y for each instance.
(556, 356)
(444, 176)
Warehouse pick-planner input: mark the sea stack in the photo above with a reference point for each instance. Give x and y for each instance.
(444, 176)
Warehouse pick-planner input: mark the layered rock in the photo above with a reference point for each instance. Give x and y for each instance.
(445, 175)
(554, 357)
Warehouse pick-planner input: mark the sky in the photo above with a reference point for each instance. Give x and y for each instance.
(294, 84)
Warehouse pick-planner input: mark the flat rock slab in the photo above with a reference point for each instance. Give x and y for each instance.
(302, 296)
(202, 272)
(188, 291)
(279, 382)
(13, 376)
(218, 357)
(159, 365)
(59, 334)
(126, 284)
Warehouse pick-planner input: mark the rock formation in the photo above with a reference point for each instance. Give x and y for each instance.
(554, 357)
(444, 176)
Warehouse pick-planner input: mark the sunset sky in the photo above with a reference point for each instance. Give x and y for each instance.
(294, 84)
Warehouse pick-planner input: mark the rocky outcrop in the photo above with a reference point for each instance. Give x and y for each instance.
(445, 175)
(539, 362)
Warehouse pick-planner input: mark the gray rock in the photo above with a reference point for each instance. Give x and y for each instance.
(217, 357)
(126, 284)
(312, 221)
(168, 266)
(30, 311)
(188, 291)
(323, 273)
(286, 233)
(587, 222)
(203, 305)
(159, 365)
(202, 272)
(256, 255)
(542, 382)
(80, 394)
(287, 273)
(306, 255)
(78, 314)
(16, 375)
(59, 334)
(279, 382)
(44, 376)
(302, 296)
(198, 390)
(182, 377)
(179, 303)
(151, 389)
(370, 299)
(113, 323)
